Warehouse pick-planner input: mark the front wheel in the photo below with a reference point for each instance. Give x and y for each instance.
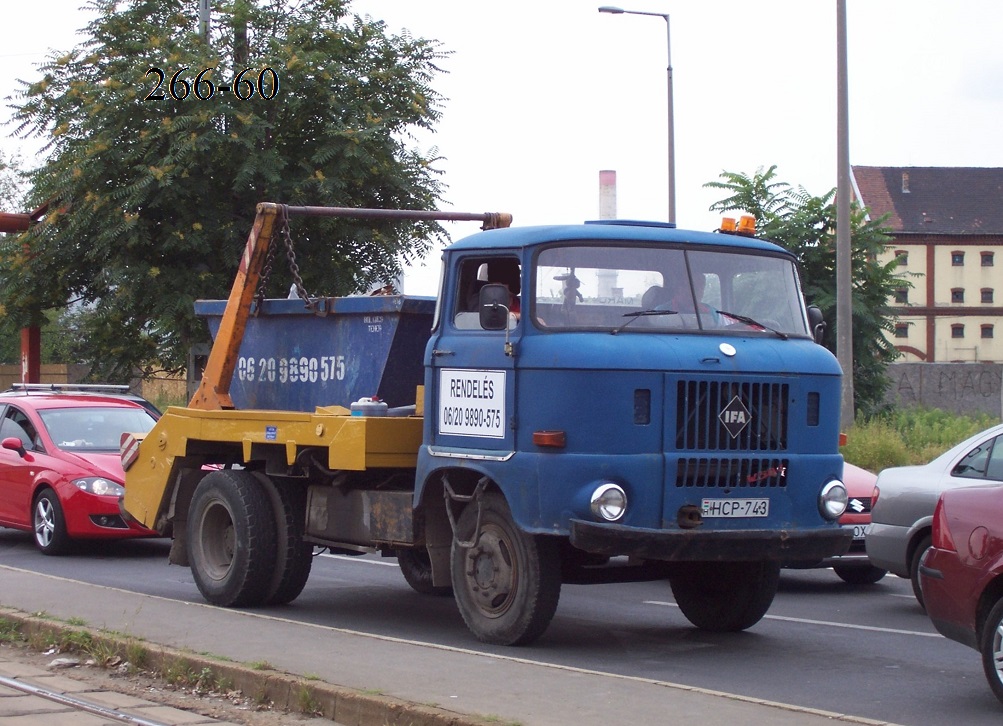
(232, 539)
(991, 647)
(507, 585)
(49, 524)
(725, 596)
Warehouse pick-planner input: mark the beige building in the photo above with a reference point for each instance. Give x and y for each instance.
(947, 227)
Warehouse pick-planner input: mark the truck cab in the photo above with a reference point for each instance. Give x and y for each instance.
(646, 393)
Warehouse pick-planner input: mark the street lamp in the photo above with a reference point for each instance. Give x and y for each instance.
(668, 47)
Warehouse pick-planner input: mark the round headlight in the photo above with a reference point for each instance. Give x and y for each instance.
(609, 502)
(832, 501)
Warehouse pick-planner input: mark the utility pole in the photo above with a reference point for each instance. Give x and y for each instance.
(844, 273)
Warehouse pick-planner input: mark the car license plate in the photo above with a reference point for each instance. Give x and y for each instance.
(735, 507)
(859, 530)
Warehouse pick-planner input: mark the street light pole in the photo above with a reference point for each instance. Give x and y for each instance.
(671, 117)
(844, 251)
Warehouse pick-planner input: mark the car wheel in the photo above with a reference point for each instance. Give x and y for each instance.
(859, 575)
(991, 647)
(917, 557)
(49, 524)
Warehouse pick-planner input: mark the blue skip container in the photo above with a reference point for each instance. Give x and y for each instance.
(292, 359)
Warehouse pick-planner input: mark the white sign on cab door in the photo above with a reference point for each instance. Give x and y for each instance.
(472, 403)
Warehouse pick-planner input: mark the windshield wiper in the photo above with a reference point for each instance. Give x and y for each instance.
(640, 314)
(751, 321)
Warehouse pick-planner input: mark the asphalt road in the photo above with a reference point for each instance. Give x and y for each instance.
(868, 651)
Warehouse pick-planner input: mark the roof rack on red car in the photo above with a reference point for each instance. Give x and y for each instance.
(71, 387)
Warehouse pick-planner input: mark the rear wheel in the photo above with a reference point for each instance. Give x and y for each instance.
(417, 570)
(293, 555)
(507, 585)
(725, 596)
(49, 524)
(867, 575)
(232, 539)
(917, 557)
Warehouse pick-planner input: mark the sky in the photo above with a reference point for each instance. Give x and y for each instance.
(543, 94)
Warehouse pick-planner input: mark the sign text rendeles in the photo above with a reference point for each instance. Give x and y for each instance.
(472, 402)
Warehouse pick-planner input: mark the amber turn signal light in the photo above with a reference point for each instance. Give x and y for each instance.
(555, 439)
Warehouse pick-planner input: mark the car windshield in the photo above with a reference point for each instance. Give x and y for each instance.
(94, 429)
(656, 288)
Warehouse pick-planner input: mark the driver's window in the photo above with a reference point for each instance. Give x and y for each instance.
(475, 273)
(16, 423)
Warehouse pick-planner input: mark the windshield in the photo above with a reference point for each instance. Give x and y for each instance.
(647, 288)
(94, 429)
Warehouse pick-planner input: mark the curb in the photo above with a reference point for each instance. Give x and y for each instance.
(286, 692)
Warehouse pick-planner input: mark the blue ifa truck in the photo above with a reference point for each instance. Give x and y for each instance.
(608, 401)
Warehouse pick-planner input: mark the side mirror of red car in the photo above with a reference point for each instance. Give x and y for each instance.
(14, 444)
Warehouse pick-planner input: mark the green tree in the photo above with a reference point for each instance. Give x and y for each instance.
(153, 198)
(11, 184)
(806, 225)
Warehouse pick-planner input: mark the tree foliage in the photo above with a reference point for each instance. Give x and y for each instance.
(153, 199)
(806, 225)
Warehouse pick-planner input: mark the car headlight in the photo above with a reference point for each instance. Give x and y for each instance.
(99, 485)
(609, 502)
(833, 499)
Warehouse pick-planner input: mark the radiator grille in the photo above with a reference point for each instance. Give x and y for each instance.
(731, 473)
(701, 405)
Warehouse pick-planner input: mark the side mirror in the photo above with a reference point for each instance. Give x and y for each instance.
(492, 304)
(14, 444)
(817, 323)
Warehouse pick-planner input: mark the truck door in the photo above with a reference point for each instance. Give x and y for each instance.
(472, 375)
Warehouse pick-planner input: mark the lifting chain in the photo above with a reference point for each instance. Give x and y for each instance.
(311, 303)
(450, 496)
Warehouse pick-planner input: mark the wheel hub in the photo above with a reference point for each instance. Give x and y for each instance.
(490, 572)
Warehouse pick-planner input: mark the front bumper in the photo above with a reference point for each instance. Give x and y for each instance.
(709, 545)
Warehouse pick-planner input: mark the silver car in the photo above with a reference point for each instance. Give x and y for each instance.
(905, 497)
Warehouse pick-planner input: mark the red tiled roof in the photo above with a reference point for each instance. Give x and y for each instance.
(934, 200)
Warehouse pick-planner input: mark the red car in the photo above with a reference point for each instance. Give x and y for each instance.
(853, 567)
(961, 574)
(60, 467)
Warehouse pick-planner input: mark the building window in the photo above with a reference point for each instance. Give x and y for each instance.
(957, 258)
(987, 294)
(902, 257)
(957, 331)
(901, 330)
(987, 331)
(902, 296)
(987, 259)
(957, 295)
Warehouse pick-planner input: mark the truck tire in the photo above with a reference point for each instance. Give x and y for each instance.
(507, 585)
(725, 596)
(293, 555)
(417, 570)
(866, 575)
(232, 539)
